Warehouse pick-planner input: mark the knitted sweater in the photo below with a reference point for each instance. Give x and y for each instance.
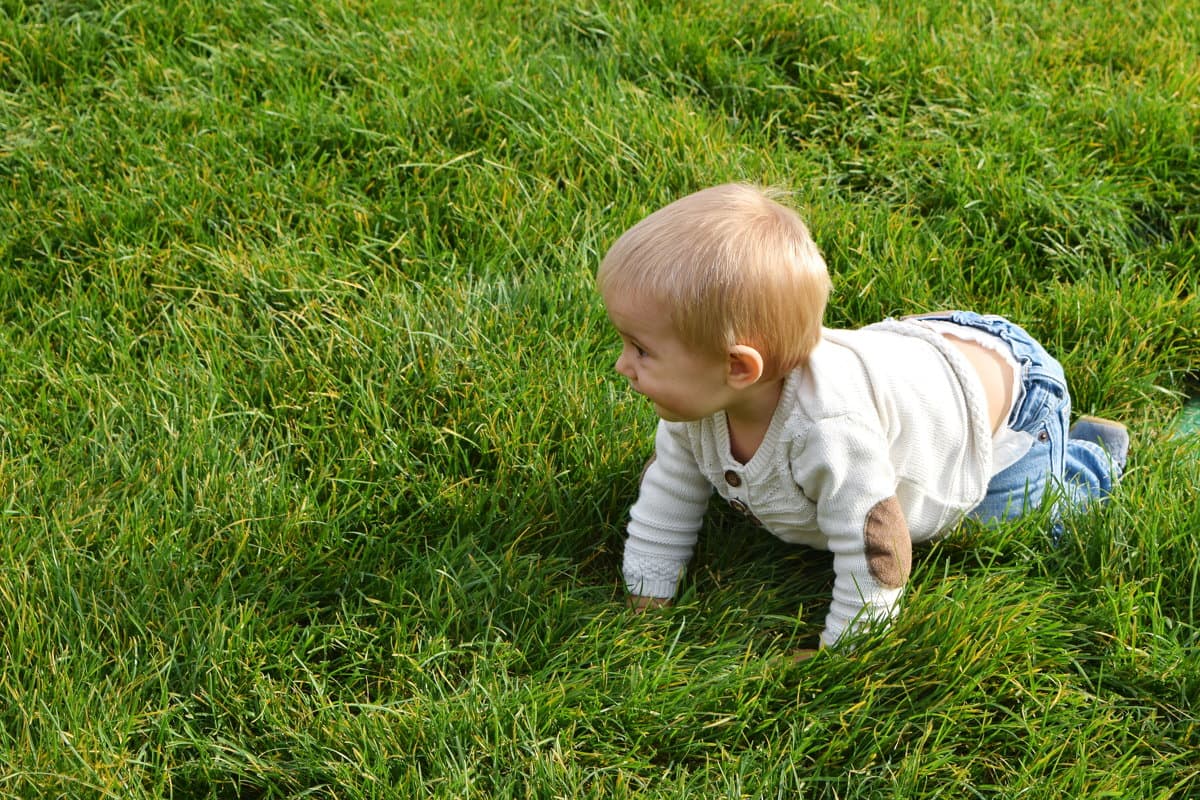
(880, 440)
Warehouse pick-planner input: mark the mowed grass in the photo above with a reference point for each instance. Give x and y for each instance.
(313, 468)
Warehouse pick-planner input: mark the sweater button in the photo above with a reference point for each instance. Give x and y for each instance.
(732, 478)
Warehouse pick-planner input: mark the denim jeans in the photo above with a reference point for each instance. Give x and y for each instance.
(1079, 471)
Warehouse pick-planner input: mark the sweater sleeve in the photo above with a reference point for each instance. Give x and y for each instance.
(665, 520)
(844, 466)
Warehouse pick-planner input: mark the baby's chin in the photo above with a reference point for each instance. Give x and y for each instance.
(671, 416)
(664, 413)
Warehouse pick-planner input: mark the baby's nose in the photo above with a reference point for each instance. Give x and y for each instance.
(622, 366)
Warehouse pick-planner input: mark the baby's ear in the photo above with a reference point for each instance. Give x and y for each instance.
(745, 366)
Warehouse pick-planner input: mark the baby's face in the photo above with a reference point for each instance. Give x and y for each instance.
(681, 383)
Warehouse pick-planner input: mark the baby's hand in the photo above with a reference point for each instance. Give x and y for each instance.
(639, 603)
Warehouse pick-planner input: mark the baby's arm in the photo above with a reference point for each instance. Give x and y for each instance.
(665, 520)
(844, 466)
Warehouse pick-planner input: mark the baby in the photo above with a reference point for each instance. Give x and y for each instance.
(857, 442)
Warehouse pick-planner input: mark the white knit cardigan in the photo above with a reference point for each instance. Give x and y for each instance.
(887, 411)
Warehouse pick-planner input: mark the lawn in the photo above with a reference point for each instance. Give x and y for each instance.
(314, 468)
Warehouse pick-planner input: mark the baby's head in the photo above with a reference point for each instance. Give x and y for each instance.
(730, 266)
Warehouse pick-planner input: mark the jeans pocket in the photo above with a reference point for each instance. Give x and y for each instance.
(1041, 407)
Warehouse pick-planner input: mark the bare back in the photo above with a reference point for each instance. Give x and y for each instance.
(995, 373)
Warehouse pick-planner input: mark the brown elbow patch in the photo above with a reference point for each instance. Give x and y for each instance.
(888, 544)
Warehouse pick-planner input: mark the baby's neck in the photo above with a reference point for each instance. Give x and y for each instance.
(750, 418)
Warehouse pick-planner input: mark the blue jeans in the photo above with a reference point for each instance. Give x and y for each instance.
(1079, 471)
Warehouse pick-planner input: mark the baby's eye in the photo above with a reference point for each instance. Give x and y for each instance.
(641, 353)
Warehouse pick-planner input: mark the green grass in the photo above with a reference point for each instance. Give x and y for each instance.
(313, 468)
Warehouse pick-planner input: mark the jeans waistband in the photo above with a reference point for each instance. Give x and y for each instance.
(1032, 357)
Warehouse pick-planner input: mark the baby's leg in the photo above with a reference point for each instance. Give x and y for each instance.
(1083, 464)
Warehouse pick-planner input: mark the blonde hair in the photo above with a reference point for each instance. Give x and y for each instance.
(734, 267)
